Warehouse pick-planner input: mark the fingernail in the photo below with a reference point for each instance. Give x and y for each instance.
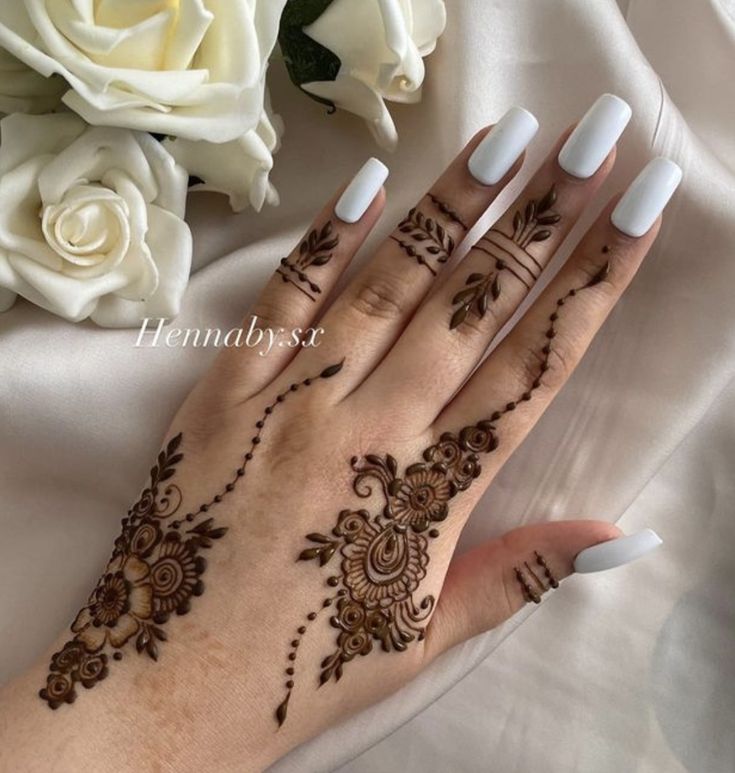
(616, 552)
(502, 146)
(595, 136)
(359, 194)
(646, 197)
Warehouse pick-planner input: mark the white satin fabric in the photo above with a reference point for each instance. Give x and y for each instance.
(631, 670)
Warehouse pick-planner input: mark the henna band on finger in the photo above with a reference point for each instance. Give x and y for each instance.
(314, 251)
(533, 586)
(509, 253)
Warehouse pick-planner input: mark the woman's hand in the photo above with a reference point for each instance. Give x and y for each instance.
(301, 520)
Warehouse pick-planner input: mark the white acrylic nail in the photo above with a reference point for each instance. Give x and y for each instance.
(359, 194)
(646, 197)
(616, 552)
(595, 136)
(502, 146)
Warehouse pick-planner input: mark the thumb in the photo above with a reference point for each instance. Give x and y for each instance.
(489, 584)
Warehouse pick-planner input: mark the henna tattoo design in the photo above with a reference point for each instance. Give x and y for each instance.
(445, 209)
(532, 585)
(154, 571)
(384, 556)
(428, 239)
(508, 253)
(315, 250)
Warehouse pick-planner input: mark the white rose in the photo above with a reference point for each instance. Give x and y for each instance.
(381, 45)
(189, 68)
(240, 168)
(23, 90)
(91, 223)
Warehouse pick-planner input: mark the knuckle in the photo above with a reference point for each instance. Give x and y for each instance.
(381, 298)
(532, 364)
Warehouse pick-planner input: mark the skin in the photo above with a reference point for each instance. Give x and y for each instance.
(209, 701)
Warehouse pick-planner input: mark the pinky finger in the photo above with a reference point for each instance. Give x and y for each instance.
(294, 297)
(488, 585)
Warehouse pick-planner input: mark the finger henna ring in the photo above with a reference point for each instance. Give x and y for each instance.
(534, 583)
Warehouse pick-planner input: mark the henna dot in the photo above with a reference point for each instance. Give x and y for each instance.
(495, 416)
(280, 398)
(292, 656)
(230, 486)
(342, 592)
(295, 643)
(526, 396)
(327, 603)
(240, 472)
(554, 317)
(311, 616)
(117, 655)
(307, 381)
(560, 302)
(269, 410)
(536, 384)
(333, 581)
(190, 516)
(175, 525)
(434, 533)
(302, 629)
(256, 440)
(546, 349)
(204, 508)
(289, 671)
(294, 387)
(284, 261)
(289, 684)
(551, 333)
(259, 424)
(510, 407)
(606, 249)
(572, 293)
(248, 456)
(218, 498)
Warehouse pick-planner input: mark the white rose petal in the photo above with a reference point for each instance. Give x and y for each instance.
(381, 45)
(92, 221)
(192, 69)
(240, 169)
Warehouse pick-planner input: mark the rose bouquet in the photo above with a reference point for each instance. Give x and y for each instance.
(116, 109)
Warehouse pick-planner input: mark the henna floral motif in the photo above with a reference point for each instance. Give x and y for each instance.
(509, 253)
(533, 584)
(383, 556)
(155, 571)
(424, 239)
(314, 251)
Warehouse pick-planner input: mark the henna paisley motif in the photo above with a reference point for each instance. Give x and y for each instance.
(155, 571)
(384, 555)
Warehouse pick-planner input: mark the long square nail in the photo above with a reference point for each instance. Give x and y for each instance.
(362, 190)
(502, 146)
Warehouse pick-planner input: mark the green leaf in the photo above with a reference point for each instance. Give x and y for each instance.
(306, 60)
